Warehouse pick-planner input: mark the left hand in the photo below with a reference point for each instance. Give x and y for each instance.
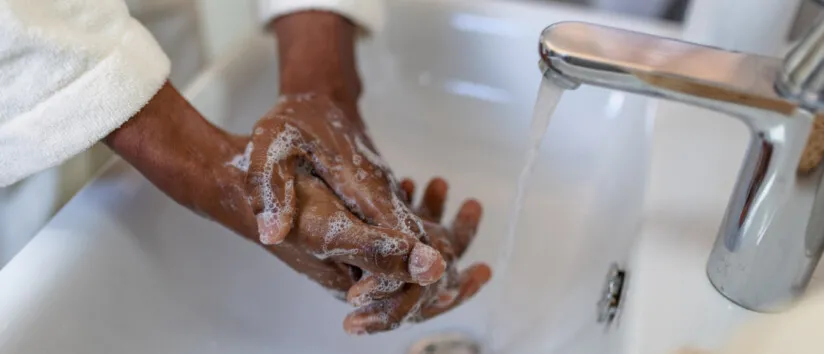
(383, 311)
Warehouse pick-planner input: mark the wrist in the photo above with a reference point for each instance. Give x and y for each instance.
(186, 157)
(316, 52)
(164, 131)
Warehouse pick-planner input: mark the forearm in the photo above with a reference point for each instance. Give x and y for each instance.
(186, 157)
(317, 55)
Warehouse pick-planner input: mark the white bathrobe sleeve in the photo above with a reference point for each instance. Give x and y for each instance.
(368, 14)
(71, 72)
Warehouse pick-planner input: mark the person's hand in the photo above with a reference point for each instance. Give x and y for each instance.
(335, 248)
(383, 308)
(204, 169)
(315, 130)
(316, 121)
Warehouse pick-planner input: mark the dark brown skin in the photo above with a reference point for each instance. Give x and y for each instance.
(188, 159)
(317, 121)
(385, 311)
(315, 193)
(317, 117)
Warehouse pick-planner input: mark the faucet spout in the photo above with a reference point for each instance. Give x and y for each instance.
(772, 235)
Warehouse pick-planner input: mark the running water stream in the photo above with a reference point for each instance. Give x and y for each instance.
(549, 95)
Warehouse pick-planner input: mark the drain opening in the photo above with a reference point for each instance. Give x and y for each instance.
(611, 298)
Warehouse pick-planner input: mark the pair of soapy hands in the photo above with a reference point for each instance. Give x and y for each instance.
(328, 206)
(309, 186)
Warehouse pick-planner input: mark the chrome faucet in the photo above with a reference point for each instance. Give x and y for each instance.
(772, 235)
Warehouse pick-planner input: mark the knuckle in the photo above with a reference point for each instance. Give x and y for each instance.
(388, 253)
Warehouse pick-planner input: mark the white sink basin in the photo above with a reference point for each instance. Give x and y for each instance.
(450, 89)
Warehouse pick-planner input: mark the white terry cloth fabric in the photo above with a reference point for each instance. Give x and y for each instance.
(368, 14)
(71, 71)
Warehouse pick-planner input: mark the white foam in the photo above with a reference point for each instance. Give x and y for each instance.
(259, 131)
(337, 226)
(384, 286)
(242, 161)
(356, 159)
(361, 175)
(334, 117)
(279, 149)
(388, 285)
(389, 246)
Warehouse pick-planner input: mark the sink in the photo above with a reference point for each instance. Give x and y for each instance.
(450, 87)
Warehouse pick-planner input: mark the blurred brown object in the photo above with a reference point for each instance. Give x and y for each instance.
(814, 150)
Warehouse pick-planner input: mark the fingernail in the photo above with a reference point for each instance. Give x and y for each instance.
(356, 329)
(268, 229)
(425, 264)
(357, 325)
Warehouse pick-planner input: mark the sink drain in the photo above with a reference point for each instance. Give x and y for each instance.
(446, 343)
(611, 295)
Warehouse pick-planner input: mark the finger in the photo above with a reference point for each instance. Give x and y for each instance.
(465, 226)
(270, 181)
(381, 251)
(358, 176)
(372, 288)
(440, 239)
(434, 199)
(471, 281)
(384, 315)
(408, 188)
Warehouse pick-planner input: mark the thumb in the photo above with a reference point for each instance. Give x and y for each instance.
(270, 182)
